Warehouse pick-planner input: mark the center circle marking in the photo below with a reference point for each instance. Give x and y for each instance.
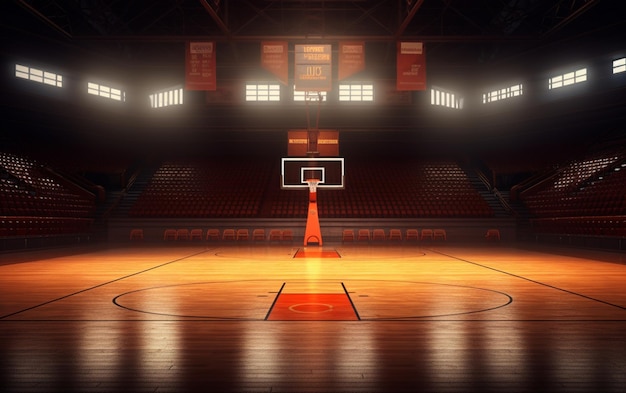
(309, 308)
(135, 300)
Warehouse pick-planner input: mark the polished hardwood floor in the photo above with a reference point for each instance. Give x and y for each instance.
(369, 318)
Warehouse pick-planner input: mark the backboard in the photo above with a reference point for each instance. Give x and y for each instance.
(294, 172)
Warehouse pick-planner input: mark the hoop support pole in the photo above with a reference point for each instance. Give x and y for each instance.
(313, 232)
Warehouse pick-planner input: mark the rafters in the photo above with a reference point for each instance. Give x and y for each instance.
(575, 13)
(43, 18)
(407, 20)
(216, 18)
(462, 28)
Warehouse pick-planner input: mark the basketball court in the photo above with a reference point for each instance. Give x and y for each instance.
(338, 318)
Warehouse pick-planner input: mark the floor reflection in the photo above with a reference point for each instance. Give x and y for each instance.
(310, 356)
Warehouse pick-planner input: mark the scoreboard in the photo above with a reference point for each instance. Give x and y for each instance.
(313, 67)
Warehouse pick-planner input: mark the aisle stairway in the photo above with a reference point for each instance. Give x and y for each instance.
(129, 196)
(486, 193)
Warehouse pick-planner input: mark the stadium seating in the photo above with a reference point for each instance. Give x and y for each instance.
(379, 235)
(136, 234)
(412, 234)
(396, 234)
(594, 185)
(288, 235)
(229, 234)
(182, 234)
(247, 189)
(36, 201)
(363, 235)
(427, 234)
(440, 234)
(347, 235)
(493, 234)
(196, 234)
(170, 234)
(587, 196)
(195, 189)
(258, 234)
(276, 235)
(213, 234)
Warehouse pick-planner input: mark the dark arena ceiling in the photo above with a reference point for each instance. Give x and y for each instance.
(457, 33)
(468, 44)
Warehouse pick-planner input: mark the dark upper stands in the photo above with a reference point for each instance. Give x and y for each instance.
(224, 189)
(244, 189)
(587, 196)
(34, 201)
(593, 185)
(402, 190)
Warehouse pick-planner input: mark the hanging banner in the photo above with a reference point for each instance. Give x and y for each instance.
(351, 59)
(313, 68)
(200, 66)
(410, 66)
(275, 58)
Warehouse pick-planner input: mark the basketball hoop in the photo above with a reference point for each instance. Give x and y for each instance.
(313, 95)
(313, 185)
(311, 174)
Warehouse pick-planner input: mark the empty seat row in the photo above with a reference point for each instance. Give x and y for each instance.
(590, 225)
(364, 234)
(42, 226)
(258, 234)
(214, 234)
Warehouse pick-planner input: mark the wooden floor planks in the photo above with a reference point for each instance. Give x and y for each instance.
(186, 319)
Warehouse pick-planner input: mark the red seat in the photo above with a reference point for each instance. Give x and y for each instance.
(363, 235)
(412, 234)
(347, 235)
(258, 234)
(378, 235)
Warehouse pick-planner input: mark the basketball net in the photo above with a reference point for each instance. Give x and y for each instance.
(313, 185)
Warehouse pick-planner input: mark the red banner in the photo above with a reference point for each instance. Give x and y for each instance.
(200, 66)
(410, 66)
(275, 58)
(351, 59)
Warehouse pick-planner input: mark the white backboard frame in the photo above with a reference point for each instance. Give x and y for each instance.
(304, 185)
